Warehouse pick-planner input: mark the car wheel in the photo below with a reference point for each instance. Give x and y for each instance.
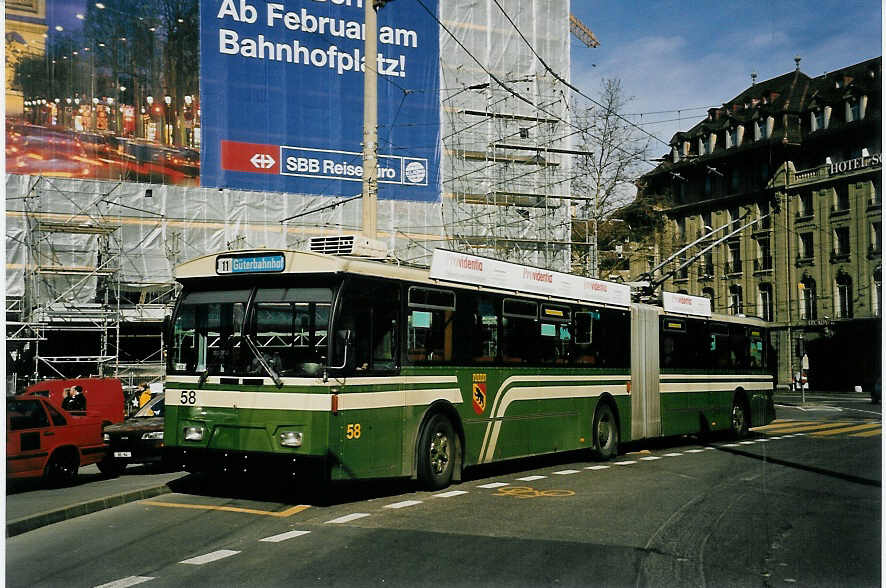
(62, 468)
(436, 453)
(111, 467)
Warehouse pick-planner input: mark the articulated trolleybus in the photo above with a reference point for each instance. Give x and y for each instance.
(352, 368)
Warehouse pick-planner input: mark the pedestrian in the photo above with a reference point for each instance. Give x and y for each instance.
(67, 400)
(144, 394)
(78, 398)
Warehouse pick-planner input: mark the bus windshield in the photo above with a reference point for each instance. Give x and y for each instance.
(286, 326)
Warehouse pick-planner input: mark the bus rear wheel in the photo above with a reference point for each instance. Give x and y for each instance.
(436, 453)
(605, 433)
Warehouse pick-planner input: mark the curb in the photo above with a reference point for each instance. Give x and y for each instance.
(35, 521)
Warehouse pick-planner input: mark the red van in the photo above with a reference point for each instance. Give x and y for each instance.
(104, 396)
(44, 440)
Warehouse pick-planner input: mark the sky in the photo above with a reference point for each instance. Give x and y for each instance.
(682, 57)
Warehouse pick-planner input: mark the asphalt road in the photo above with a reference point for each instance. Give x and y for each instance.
(798, 503)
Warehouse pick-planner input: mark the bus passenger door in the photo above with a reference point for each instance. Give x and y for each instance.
(645, 391)
(371, 401)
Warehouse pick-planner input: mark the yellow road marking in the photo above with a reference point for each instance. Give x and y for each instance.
(781, 424)
(282, 514)
(821, 425)
(873, 433)
(847, 430)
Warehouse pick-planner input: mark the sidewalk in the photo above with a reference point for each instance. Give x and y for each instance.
(30, 505)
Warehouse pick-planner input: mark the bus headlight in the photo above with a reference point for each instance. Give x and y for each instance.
(157, 435)
(291, 438)
(193, 433)
(106, 438)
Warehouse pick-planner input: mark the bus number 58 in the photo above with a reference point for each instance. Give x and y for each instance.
(352, 431)
(188, 397)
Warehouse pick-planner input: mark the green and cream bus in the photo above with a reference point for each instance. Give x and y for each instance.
(351, 368)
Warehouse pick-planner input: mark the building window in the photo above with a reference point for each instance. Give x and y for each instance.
(709, 294)
(679, 229)
(875, 191)
(735, 181)
(733, 261)
(734, 218)
(805, 204)
(818, 120)
(731, 138)
(843, 296)
(808, 306)
(708, 263)
(763, 211)
(841, 196)
(764, 300)
(764, 262)
(706, 226)
(736, 304)
(876, 243)
(806, 250)
(683, 273)
(877, 293)
(841, 241)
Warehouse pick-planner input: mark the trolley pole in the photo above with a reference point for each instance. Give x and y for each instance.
(370, 122)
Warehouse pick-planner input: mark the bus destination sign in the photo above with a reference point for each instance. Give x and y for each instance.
(250, 264)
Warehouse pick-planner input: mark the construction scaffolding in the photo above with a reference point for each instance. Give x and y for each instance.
(507, 139)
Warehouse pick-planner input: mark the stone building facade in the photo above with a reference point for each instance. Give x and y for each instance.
(791, 169)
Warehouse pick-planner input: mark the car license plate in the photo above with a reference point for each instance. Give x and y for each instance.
(122, 454)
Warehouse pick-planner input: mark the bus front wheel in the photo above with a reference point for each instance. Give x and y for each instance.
(605, 432)
(436, 453)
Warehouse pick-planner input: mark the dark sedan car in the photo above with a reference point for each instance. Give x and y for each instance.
(138, 439)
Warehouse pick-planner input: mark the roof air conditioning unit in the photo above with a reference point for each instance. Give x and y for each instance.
(354, 245)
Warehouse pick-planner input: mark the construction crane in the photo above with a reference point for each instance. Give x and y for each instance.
(582, 32)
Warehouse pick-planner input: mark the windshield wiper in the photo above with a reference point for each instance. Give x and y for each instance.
(261, 359)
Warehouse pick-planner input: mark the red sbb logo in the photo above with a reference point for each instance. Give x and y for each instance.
(250, 157)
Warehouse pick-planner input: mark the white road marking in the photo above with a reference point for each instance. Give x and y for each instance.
(209, 557)
(762, 440)
(598, 467)
(451, 493)
(694, 450)
(531, 478)
(124, 582)
(673, 454)
(284, 536)
(348, 518)
(403, 504)
(650, 458)
(623, 462)
(748, 442)
(730, 445)
(771, 438)
(566, 472)
(494, 485)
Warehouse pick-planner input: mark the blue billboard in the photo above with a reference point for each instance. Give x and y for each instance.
(282, 97)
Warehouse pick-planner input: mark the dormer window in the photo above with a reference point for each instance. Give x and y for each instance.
(760, 130)
(817, 120)
(731, 138)
(853, 110)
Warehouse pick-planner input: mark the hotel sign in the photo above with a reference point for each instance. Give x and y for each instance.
(841, 167)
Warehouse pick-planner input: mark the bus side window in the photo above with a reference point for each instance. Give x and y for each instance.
(584, 338)
(755, 352)
(519, 331)
(429, 325)
(485, 336)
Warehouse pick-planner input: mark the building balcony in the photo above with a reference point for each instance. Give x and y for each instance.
(804, 217)
(839, 211)
(839, 257)
(874, 251)
(804, 261)
(733, 268)
(763, 264)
